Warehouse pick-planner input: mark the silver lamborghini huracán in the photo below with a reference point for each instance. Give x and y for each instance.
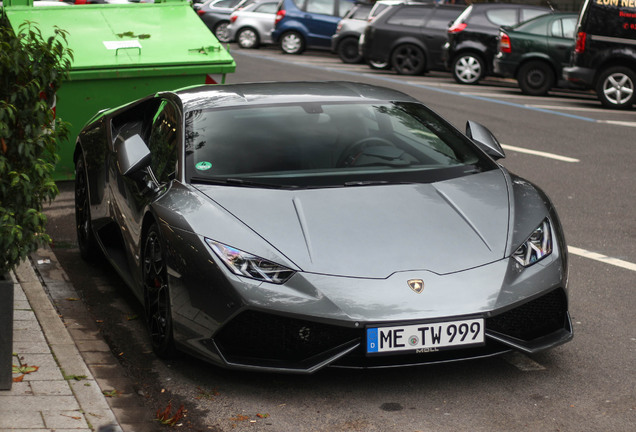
(292, 226)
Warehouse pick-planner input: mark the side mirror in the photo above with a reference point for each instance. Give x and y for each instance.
(133, 155)
(484, 139)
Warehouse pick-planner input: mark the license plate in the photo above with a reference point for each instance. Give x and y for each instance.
(422, 338)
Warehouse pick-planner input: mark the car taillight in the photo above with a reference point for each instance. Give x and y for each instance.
(456, 28)
(504, 43)
(280, 15)
(233, 18)
(201, 12)
(579, 46)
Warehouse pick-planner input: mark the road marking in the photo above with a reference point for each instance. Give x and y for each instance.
(602, 258)
(618, 123)
(540, 153)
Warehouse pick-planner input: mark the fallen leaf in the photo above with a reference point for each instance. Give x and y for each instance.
(24, 369)
(262, 415)
(19, 379)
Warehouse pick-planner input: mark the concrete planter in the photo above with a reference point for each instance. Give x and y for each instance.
(6, 331)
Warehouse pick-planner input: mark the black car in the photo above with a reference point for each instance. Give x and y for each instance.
(535, 51)
(473, 37)
(604, 56)
(345, 41)
(409, 37)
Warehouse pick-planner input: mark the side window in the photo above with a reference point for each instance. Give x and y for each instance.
(344, 7)
(324, 7)
(440, 19)
(556, 29)
(527, 14)
(268, 8)
(502, 16)
(163, 142)
(409, 16)
(569, 26)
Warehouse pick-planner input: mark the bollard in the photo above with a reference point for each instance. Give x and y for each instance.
(6, 331)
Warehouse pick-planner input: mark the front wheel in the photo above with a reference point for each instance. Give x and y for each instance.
(535, 78)
(468, 68)
(83, 224)
(615, 87)
(292, 43)
(157, 295)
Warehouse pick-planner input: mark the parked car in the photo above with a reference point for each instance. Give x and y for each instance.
(252, 25)
(472, 37)
(289, 227)
(409, 37)
(604, 56)
(345, 41)
(302, 24)
(216, 15)
(379, 7)
(535, 51)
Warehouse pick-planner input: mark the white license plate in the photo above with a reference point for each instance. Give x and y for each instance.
(422, 338)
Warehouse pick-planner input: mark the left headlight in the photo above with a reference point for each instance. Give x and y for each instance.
(248, 265)
(537, 247)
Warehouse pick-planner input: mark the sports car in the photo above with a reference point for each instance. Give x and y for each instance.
(292, 226)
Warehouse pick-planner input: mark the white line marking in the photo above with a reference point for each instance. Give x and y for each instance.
(540, 153)
(618, 123)
(602, 258)
(574, 108)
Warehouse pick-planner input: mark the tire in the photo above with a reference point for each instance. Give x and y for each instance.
(157, 305)
(616, 87)
(247, 38)
(348, 51)
(408, 59)
(83, 226)
(292, 43)
(220, 31)
(536, 78)
(468, 68)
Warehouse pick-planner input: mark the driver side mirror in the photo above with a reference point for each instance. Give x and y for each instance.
(133, 155)
(484, 139)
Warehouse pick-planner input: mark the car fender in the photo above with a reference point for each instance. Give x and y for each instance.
(409, 40)
(290, 25)
(620, 56)
(537, 56)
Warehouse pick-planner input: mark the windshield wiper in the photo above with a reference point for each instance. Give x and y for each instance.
(239, 182)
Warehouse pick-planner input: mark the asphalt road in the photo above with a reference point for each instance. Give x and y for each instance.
(583, 156)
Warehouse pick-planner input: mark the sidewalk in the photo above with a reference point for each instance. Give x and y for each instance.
(75, 381)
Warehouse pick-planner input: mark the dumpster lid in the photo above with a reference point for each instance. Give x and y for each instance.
(115, 36)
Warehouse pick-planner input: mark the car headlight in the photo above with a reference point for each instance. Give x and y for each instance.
(248, 265)
(537, 247)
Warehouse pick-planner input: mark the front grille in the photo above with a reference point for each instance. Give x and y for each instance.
(539, 317)
(257, 337)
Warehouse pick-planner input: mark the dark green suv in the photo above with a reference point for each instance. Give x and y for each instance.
(535, 52)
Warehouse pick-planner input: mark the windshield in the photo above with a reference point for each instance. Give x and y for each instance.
(323, 145)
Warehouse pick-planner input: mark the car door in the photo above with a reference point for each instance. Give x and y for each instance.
(561, 40)
(320, 19)
(435, 34)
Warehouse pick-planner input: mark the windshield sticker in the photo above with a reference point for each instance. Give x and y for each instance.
(203, 166)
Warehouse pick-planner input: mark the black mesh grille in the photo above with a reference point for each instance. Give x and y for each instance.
(534, 319)
(271, 338)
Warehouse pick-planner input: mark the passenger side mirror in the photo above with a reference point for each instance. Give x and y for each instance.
(133, 155)
(484, 139)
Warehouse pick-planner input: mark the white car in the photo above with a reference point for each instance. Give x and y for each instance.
(252, 25)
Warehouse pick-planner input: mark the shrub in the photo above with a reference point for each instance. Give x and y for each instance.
(31, 71)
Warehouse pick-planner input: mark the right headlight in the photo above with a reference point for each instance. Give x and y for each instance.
(537, 247)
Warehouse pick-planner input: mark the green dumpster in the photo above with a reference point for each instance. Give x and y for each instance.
(123, 52)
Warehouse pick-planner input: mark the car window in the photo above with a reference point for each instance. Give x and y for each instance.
(344, 7)
(223, 3)
(441, 18)
(569, 26)
(163, 142)
(269, 8)
(361, 12)
(502, 16)
(538, 27)
(527, 14)
(310, 144)
(324, 7)
(409, 16)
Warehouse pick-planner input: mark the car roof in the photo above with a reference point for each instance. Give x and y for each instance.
(212, 96)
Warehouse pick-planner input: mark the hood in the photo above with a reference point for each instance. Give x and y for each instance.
(375, 231)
